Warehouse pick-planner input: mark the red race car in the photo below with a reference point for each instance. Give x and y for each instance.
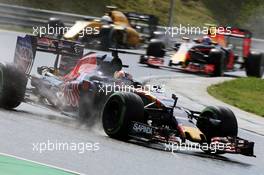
(214, 54)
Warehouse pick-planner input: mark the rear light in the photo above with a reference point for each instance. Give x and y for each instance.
(188, 56)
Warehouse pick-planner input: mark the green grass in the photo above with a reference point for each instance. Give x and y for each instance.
(244, 93)
(246, 14)
(86, 7)
(194, 12)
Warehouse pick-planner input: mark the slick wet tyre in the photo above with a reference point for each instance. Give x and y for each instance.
(120, 109)
(12, 86)
(156, 49)
(255, 65)
(217, 122)
(218, 60)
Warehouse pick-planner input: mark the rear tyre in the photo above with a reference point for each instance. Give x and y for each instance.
(120, 109)
(170, 63)
(12, 86)
(56, 27)
(218, 60)
(217, 122)
(111, 38)
(116, 38)
(156, 49)
(105, 41)
(143, 59)
(255, 65)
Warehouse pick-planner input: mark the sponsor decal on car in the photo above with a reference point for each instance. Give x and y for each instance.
(141, 128)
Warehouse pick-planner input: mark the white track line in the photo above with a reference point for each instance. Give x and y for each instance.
(47, 165)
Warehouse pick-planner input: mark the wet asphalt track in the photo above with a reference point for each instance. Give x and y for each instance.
(31, 124)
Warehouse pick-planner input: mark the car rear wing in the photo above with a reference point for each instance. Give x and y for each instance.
(144, 23)
(26, 48)
(224, 36)
(232, 32)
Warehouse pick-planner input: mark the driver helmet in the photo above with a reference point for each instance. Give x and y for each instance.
(107, 19)
(122, 75)
(119, 74)
(206, 40)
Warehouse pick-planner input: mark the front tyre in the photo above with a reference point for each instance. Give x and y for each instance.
(143, 59)
(218, 60)
(156, 49)
(120, 109)
(217, 122)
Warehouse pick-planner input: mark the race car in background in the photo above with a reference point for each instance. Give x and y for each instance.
(142, 113)
(226, 51)
(114, 29)
(145, 24)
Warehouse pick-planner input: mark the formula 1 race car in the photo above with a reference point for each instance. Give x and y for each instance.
(223, 52)
(145, 24)
(114, 29)
(131, 111)
(72, 86)
(154, 118)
